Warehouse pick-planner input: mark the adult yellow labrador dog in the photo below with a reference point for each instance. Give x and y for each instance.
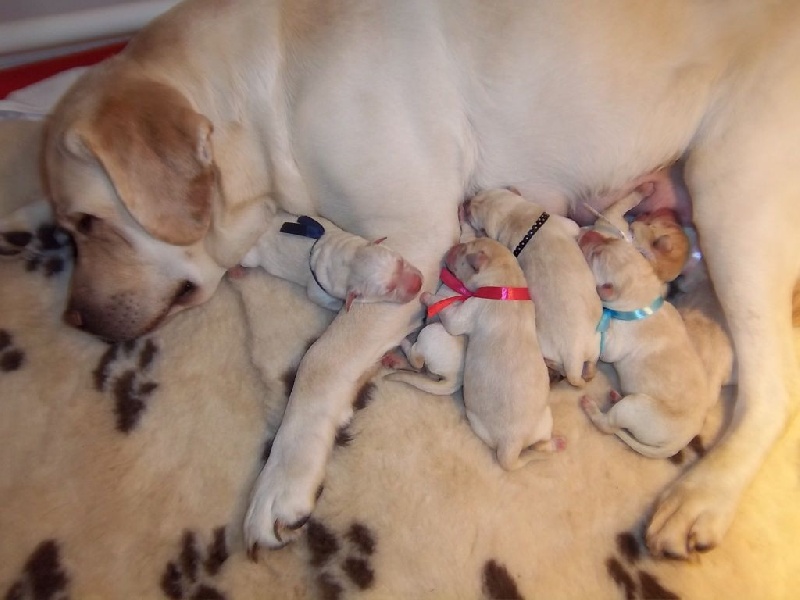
(164, 162)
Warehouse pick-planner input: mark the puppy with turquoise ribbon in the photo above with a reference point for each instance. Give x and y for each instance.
(664, 394)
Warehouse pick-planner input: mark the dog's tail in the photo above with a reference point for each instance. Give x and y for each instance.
(439, 387)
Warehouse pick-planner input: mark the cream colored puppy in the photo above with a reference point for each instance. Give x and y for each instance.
(562, 286)
(705, 323)
(437, 360)
(505, 378)
(336, 267)
(665, 389)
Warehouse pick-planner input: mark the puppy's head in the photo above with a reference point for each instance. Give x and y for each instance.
(130, 172)
(488, 211)
(620, 271)
(662, 240)
(379, 274)
(481, 262)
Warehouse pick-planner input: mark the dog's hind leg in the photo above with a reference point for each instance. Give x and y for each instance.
(747, 212)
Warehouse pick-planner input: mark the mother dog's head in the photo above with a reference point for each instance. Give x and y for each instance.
(130, 171)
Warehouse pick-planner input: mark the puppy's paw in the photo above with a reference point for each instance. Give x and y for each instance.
(589, 406)
(691, 516)
(395, 359)
(281, 504)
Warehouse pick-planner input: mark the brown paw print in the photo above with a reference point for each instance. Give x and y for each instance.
(342, 561)
(43, 577)
(634, 582)
(11, 357)
(190, 575)
(124, 371)
(48, 250)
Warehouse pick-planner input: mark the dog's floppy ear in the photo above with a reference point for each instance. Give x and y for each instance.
(156, 150)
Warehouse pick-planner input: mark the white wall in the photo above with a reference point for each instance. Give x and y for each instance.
(34, 29)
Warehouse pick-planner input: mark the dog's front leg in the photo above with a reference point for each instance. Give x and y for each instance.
(321, 401)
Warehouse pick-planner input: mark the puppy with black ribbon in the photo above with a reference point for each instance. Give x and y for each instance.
(546, 247)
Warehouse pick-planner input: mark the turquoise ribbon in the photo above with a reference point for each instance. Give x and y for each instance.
(624, 315)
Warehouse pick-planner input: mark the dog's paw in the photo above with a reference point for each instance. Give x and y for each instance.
(692, 515)
(279, 507)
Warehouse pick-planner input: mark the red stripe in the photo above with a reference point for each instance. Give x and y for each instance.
(488, 292)
(15, 78)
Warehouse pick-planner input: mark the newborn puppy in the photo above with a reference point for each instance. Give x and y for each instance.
(334, 265)
(663, 242)
(505, 379)
(697, 303)
(563, 289)
(665, 388)
(440, 354)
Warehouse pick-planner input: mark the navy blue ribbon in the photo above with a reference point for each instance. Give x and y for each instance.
(305, 227)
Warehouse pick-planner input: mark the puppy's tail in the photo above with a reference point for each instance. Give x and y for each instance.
(646, 449)
(439, 387)
(510, 458)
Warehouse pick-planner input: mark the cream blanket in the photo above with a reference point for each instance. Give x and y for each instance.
(125, 469)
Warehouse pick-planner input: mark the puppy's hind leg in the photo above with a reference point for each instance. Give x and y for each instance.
(746, 209)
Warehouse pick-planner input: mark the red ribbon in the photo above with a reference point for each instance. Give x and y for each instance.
(462, 293)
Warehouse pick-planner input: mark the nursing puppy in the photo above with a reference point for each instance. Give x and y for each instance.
(437, 360)
(657, 234)
(665, 389)
(334, 265)
(505, 379)
(696, 301)
(661, 238)
(563, 289)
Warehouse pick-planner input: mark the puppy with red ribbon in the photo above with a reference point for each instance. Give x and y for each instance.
(506, 384)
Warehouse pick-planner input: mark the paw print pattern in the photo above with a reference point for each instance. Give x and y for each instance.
(11, 357)
(48, 250)
(43, 577)
(123, 370)
(189, 576)
(634, 582)
(498, 584)
(341, 561)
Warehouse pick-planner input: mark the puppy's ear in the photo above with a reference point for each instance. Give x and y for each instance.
(607, 292)
(352, 296)
(663, 243)
(157, 153)
(477, 260)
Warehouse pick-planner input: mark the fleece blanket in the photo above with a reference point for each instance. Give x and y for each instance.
(125, 469)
